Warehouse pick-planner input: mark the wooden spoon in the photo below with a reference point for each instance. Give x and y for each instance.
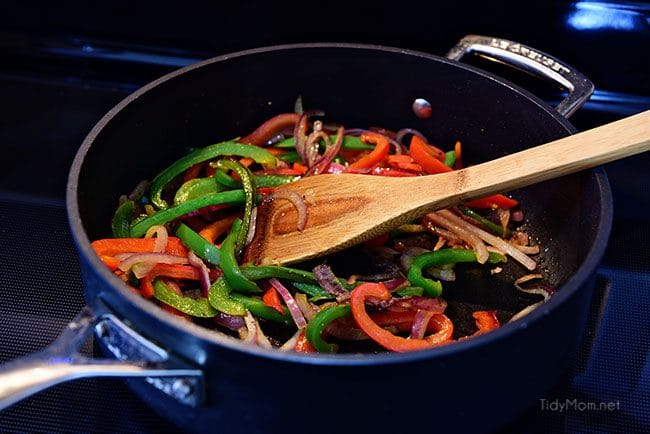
(346, 209)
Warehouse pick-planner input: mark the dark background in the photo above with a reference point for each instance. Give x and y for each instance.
(63, 66)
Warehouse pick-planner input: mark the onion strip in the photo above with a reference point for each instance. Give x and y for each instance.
(499, 243)
(461, 228)
(294, 310)
(296, 200)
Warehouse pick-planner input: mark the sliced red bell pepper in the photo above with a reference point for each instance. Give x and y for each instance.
(383, 337)
(428, 156)
(382, 146)
(272, 299)
(494, 201)
(303, 345)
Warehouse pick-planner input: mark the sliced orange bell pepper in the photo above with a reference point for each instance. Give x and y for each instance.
(428, 156)
(214, 230)
(376, 155)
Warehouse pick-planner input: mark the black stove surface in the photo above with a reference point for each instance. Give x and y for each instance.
(57, 86)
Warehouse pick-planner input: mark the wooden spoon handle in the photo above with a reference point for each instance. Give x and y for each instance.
(561, 157)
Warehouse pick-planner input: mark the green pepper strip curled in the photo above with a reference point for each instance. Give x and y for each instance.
(231, 271)
(122, 219)
(491, 226)
(257, 307)
(250, 193)
(199, 245)
(219, 298)
(195, 188)
(433, 288)
(197, 307)
(258, 154)
(315, 327)
(231, 197)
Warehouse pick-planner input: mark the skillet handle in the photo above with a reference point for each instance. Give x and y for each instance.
(60, 362)
(533, 61)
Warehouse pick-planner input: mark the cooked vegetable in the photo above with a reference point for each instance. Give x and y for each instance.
(387, 294)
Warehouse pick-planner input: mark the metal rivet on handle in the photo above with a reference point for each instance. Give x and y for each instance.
(422, 108)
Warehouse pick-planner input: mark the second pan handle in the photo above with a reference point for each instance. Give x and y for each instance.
(579, 88)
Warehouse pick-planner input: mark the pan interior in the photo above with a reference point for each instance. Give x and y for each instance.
(358, 87)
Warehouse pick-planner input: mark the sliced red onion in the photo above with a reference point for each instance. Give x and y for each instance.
(308, 310)
(251, 227)
(420, 323)
(204, 273)
(139, 190)
(494, 240)
(435, 305)
(162, 237)
(312, 146)
(332, 149)
(517, 215)
(150, 259)
(408, 255)
(335, 168)
(394, 283)
(231, 322)
(294, 310)
(275, 139)
(328, 281)
(399, 136)
(300, 133)
(290, 344)
(461, 228)
(296, 200)
(252, 327)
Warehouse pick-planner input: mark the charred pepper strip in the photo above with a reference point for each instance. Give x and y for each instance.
(433, 288)
(122, 219)
(197, 307)
(256, 153)
(250, 193)
(315, 327)
(219, 298)
(232, 197)
(231, 271)
(199, 245)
